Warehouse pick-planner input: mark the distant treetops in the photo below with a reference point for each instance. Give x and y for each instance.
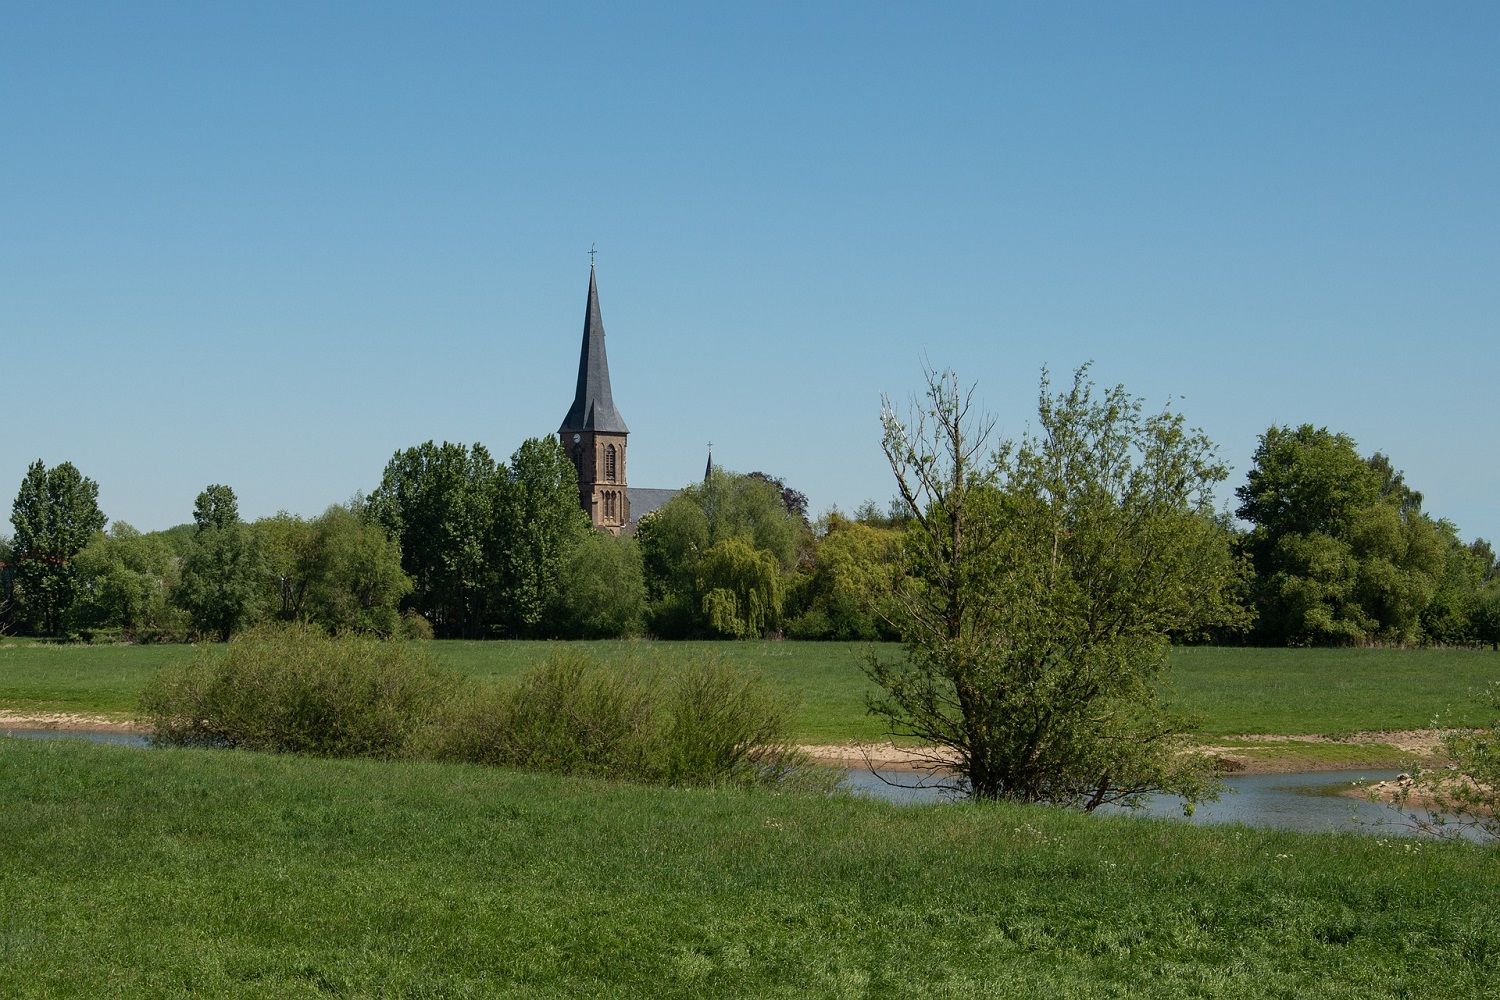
(455, 544)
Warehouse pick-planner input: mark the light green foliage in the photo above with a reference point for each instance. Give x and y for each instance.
(601, 593)
(55, 514)
(224, 569)
(853, 570)
(440, 503)
(124, 579)
(292, 689)
(671, 541)
(339, 570)
(1341, 548)
(742, 589)
(676, 538)
(1040, 583)
(538, 523)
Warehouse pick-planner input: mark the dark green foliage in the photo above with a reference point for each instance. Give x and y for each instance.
(483, 543)
(55, 514)
(1342, 551)
(294, 690)
(538, 523)
(844, 597)
(439, 502)
(340, 571)
(216, 507)
(224, 569)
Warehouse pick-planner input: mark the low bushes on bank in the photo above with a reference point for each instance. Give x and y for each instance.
(295, 690)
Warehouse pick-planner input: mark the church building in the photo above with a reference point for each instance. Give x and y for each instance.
(594, 435)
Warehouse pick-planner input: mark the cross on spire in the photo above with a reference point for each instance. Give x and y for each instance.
(592, 251)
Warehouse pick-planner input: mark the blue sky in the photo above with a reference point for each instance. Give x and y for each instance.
(270, 244)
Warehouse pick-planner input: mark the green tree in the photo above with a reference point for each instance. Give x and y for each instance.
(124, 579)
(1039, 584)
(853, 570)
(216, 507)
(7, 585)
(1341, 548)
(601, 591)
(56, 513)
(538, 523)
(725, 506)
(340, 571)
(224, 569)
(439, 502)
(741, 589)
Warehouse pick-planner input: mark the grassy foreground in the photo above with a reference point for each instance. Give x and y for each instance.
(1231, 690)
(209, 874)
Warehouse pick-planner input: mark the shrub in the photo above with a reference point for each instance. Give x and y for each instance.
(414, 626)
(704, 723)
(723, 726)
(565, 715)
(1465, 796)
(295, 690)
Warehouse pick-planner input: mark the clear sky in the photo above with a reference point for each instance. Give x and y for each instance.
(270, 244)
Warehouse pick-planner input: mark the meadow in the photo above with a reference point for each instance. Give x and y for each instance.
(1229, 691)
(182, 873)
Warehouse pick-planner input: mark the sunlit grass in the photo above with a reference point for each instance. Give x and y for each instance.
(206, 874)
(1229, 690)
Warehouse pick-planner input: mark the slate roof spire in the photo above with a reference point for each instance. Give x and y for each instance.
(593, 405)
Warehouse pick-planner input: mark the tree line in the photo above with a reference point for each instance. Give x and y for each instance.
(1332, 548)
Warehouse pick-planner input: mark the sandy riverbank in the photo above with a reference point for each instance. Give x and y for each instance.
(69, 722)
(1250, 754)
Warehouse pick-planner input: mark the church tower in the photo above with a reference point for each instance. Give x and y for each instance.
(592, 433)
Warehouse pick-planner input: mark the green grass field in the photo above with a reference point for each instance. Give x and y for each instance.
(1231, 690)
(221, 874)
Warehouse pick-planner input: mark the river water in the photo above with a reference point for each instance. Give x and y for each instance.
(1306, 802)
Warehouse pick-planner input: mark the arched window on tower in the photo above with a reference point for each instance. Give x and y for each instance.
(609, 463)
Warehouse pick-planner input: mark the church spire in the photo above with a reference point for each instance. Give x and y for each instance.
(593, 404)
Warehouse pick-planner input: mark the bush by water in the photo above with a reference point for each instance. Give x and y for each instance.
(701, 721)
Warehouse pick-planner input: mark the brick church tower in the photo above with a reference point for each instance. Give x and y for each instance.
(592, 433)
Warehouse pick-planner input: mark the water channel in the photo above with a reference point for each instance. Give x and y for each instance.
(1306, 802)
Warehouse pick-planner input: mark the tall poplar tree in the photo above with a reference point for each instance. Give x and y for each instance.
(55, 515)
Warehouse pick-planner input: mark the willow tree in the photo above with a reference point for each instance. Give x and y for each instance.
(1038, 586)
